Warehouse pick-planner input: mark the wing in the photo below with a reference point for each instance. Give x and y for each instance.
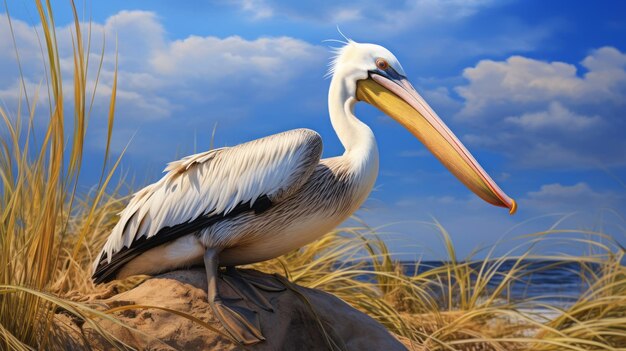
(203, 188)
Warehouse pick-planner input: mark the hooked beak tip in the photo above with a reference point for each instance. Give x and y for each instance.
(513, 208)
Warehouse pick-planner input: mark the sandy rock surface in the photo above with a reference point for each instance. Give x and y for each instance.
(292, 326)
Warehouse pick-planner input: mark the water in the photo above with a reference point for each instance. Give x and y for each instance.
(557, 284)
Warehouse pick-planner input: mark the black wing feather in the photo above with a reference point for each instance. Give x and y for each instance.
(108, 271)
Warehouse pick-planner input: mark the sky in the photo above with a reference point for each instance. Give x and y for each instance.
(536, 90)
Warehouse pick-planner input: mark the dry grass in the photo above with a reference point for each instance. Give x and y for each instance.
(45, 230)
(452, 307)
(49, 235)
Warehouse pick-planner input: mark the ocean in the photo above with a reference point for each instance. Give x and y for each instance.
(553, 283)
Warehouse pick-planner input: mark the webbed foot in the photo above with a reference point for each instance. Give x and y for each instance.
(239, 321)
(247, 285)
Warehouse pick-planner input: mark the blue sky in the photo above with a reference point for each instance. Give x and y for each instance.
(535, 89)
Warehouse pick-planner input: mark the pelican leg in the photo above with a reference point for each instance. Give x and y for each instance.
(240, 322)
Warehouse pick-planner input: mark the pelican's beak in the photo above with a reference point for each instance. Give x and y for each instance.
(397, 98)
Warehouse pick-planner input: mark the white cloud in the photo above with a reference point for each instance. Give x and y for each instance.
(172, 81)
(344, 15)
(440, 27)
(556, 117)
(25, 37)
(145, 30)
(151, 65)
(140, 34)
(558, 197)
(213, 59)
(372, 14)
(605, 60)
(425, 12)
(562, 192)
(521, 80)
(14, 90)
(549, 198)
(258, 8)
(473, 224)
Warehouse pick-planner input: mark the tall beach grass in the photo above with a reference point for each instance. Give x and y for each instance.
(49, 234)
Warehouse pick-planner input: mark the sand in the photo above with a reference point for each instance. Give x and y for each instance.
(303, 319)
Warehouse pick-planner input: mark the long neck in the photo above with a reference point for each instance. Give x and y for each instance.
(355, 136)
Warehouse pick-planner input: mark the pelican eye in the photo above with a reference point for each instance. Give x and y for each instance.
(382, 64)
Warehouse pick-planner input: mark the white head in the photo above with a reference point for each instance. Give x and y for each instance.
(355, 61)
(371, 73)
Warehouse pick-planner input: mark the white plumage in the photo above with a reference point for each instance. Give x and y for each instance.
(216, 181)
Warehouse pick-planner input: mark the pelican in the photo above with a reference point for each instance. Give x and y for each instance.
(261, 199)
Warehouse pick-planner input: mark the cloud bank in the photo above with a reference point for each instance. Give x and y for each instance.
(549, 114)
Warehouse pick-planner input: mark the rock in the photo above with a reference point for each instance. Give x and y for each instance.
(292, 326)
